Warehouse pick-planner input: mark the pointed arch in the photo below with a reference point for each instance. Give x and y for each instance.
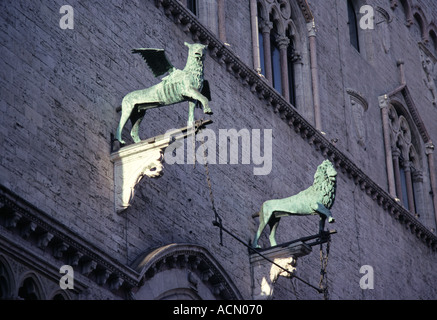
(30, 287)
(263, 12)
(420, 19)
(277, 20)
(432, 33)
(186, 271)
(7, 283)
(406, 5)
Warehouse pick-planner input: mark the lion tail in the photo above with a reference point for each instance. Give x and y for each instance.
(256, 214)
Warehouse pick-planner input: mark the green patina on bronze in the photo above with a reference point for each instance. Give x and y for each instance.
(317, 199)
(180, 85)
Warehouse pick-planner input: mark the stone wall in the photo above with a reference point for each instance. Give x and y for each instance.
(59, 92)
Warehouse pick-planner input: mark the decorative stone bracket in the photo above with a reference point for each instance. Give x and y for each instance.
(265, 274)
(133, 162)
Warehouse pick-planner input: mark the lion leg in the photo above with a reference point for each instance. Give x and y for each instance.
(322, 224)
(273, 223)
(258, 235)
(323, 211)
(191, 106)
(261, 227)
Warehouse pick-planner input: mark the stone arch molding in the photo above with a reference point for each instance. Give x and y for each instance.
(183, 272)
(359, 106)
(415, 14)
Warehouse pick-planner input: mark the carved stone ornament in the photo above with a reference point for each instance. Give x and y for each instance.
(430, 69)
(359, 106)
(131, 164)
(265, 274)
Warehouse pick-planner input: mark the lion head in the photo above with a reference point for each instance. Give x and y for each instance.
(325, 182)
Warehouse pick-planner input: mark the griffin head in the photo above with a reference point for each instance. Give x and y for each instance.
(197, 50)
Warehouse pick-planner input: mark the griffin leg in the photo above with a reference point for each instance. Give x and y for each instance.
(196, 95)
(136, 118)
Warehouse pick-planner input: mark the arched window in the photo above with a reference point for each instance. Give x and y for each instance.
(5, 282)
(353, 25)
(275, 60)
(291, 57)
(406, 164)
(277, 54)
(192, 6)
(29, 290)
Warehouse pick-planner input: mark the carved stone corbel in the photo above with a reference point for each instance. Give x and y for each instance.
(133, 162)
(265, 274)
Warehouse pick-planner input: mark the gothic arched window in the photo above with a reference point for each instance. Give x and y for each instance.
(5, 282)
(192, 6)
(29, 290)
(276, 54)
(275, 60)
(353, 25)
(406, 164)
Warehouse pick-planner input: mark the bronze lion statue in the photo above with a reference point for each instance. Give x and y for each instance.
(317, 199)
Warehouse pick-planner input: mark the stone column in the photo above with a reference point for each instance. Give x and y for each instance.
(409, 181)
(432, 175)
(221, 20)
(383, 104)
(266, 26)
(296, 59)
(283, 43)
(397, 173)
(255, 38)
(417, 177)
(311, 26)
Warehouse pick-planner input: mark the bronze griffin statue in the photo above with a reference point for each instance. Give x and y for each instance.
(177, 86)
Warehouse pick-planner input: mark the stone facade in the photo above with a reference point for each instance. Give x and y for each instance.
(60, 89)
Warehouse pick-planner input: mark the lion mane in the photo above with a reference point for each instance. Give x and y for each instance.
(325, 184)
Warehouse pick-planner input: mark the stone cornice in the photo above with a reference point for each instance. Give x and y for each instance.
(42, 231)
(258, 86)
(306, 11)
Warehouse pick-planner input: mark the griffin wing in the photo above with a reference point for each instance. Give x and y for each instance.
(155, 59)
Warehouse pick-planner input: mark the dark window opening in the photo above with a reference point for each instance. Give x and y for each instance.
(353, 26)
(192, 6)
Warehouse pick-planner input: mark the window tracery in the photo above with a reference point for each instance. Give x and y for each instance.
(276, 44)
(406, 164)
